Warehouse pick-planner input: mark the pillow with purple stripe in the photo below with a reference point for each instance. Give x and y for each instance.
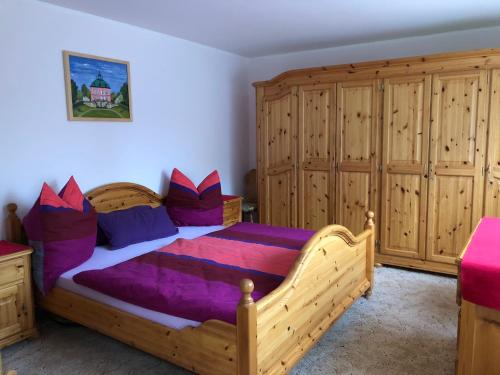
(191, 205)
(62, 231)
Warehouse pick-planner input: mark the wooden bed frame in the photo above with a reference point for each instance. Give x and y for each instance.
(270, 336)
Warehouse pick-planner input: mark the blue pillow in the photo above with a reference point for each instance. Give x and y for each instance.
(136, 224)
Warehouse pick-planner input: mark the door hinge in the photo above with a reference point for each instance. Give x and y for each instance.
(380, 168)
(381, 87)
(377, 244)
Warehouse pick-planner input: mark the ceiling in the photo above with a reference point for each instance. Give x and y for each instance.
(263, 27)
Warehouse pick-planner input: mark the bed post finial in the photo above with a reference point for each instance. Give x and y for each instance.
(14, 226)
(370, 251)
(369, 220)
(246, 330)
(246, 287)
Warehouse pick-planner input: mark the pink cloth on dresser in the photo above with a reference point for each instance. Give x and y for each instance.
(480, 272)
(7, 248)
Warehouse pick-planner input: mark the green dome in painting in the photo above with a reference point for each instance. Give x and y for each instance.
(100, 82)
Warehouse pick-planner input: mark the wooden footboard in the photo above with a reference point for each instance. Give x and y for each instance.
(335, 268)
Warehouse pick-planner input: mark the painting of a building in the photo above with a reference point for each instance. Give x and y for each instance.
(97, 88)
(100, 90)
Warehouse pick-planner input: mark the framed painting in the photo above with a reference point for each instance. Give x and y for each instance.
(97, 88)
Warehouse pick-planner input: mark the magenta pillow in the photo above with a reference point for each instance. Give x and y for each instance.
(62, 231)
(136, 224)
(189, 205)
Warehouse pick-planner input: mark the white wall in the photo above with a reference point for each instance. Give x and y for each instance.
(190, 107)
(193, 105)
(264, 68)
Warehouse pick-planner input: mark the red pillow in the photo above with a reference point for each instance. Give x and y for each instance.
(191, 205)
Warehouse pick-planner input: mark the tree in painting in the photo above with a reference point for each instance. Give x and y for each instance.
(74, 92)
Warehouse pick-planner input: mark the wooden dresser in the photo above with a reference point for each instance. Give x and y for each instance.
(232, 209)
(478, 295)
(16, 295)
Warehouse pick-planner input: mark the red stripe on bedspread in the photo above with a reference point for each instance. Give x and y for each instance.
(268, 259)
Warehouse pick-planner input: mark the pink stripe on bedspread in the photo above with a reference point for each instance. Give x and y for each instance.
(252, 256)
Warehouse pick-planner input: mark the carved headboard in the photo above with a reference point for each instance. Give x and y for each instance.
(122, 195)
(106, 198)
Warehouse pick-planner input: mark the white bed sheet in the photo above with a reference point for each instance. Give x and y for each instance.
(103, 258)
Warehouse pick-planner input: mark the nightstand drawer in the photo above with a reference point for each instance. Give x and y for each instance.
(11, 271)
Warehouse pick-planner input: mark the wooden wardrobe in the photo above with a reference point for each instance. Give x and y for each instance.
(417, 140)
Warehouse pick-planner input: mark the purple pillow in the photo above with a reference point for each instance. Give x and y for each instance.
(136, 224)
(101, 239)
(190, 205)
(61, 233)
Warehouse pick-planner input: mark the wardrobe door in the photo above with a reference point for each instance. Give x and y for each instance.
(405, 147)
(316, 145)
(492, 197)
(457, 150)
(277, 157)
(357, 139)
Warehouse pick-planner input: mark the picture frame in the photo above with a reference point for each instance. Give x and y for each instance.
(97, 88)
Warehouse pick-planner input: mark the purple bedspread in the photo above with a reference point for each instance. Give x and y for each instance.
(291, 238)
(199, 279)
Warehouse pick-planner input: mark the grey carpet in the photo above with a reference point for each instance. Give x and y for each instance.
(408, 326)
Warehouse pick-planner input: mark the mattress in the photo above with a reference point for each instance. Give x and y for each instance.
(102, 258)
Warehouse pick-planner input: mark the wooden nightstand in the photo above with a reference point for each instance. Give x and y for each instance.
(232, 209)
(16, 295)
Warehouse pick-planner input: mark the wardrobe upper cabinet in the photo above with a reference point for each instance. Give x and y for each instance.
(357, 142)
(492, 197)
(457, 151)
(316, 145)
(404, 165)
(277, 127)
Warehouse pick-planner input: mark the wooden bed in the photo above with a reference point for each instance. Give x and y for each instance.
(271, 335)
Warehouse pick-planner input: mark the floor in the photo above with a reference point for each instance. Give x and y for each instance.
(408, 326)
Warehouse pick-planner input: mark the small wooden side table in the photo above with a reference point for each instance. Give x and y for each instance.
(17, 318)
(232, 209)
